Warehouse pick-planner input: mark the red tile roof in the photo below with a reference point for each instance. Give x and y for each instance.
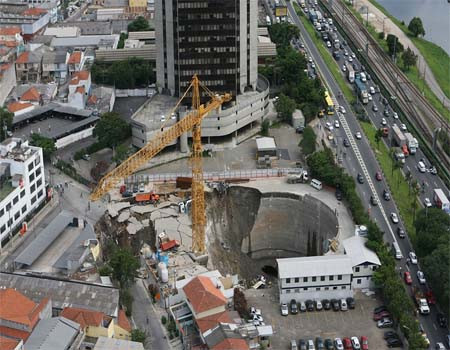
(123, 322)
(77, 76)
(7, 343)
(210, 322)
(231, 344)
(75, 57)
(18, 106)
(83, 317)
(203, 294)
(18, 308)
(32, 94)
(33, 11)
(8, 43)
(10, 30)
(14, 333)
(23, 57)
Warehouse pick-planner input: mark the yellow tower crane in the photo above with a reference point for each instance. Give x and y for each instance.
(191, 122)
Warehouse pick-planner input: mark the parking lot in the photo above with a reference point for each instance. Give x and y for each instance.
(326, 324)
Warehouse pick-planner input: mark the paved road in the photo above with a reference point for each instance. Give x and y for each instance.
(361, 149)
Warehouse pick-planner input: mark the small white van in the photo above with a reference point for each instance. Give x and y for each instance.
(316, 184)
(421, 166)
(396, 251)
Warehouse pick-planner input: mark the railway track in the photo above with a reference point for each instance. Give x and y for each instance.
(418, 112)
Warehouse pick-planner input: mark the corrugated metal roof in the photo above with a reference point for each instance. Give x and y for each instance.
(104, 343)
(44, 239)
(326, 265)
(355, 248)
(265, 144)
(53, 334)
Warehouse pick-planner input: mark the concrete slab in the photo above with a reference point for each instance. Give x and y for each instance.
(143, 209)
(115, 208)
(170, 225)
(174, 199)
(123, 216)
(169, 212)
(155, 215)
(184, 219)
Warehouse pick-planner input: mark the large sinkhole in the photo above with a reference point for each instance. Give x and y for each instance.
(248, 230)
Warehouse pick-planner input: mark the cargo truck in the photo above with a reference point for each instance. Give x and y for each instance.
(398, 136)
(412, 143)
(361, 89)
(421, 301)
(440, 200)
(350, 72)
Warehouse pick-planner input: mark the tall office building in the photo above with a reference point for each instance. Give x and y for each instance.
(216, 39)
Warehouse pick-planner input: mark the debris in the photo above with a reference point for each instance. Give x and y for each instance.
(115, 208)
(124, 216)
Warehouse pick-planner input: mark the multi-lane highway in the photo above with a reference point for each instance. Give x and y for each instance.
(360, 158)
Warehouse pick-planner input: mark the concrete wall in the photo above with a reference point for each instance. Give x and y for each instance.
(7, 83)
(67, 140)
(363, 278)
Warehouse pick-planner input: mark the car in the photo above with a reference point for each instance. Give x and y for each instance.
(329, 344)
(310, 59)
(386, 195)
(395, 115)
(353, 56)
(427, 341)
(427, 202)
(383, 121)
(86, 157)
(373, 201)
(302, 306)
(440, 346)
(345, 53)
(342, 109)
(313, 65)
(370, 98)
(309, 305)
(374, 108)
(368, 77)
(360, 178)
(350, 59)
(319, 306)
(413, 258)
(355, 343)
(293, 306)
(355, 66)
(394, 218)
(335, 304)
(329, 126)
(385, 323)
(343, 304)
(257, 318)
(293, 344)
(421, 277)
(378, 176)
(127, 194)
(372, 90)
(386, 112)
(394, 343)
(284, 309)
(403, 127)
(442, 322)
(385, 101)
(326, 304)
(338, 344)
(346, 143)
(390, 334)
(319, 343)
(328, 44)
(254, 311)
(364, 343)
(358, 135)
(379, 309)
(142, 187)
(421, 166)
(338, 194)
(336, 124)
(381, 315)
(344, 68)
(433, 170)
(135, 188)
(401, 232)
(350, 303)
(302, 344)
(407, 277)
(347, 344)
(311, 345)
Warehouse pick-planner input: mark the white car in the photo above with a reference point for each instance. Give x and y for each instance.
(338, 344)
(336, 124)
(329, 126)
(394, 218)
(350, 59)
(258, 318)
(353, 55)
(310, 59)
(413, 258)
(427, 202)
(344, 68)
(370, 98)
(328, 44)
(383, 121)
(355, 343)
(284, 309)
(395, 115)
(342, 109)
(421, 277)
(372, 90)
(254, 311)
(403, 127)
(345, 53)
(358, 135)
(313, 65)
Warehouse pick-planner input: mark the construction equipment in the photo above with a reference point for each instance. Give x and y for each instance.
(191, 122)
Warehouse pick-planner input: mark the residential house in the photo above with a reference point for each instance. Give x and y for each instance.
(32, 95)
(224, 337)
(37, 94)
(29, 66)
(10, 33)
(76, 61)
(19, 108)
(20, 315)
(33, 21)
(122, 329)
(104, 343)
(7, 80)
(10, 344)
(93, 323)
(79, 89)
(54, 66)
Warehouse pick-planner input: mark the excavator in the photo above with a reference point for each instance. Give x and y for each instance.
(191, 122)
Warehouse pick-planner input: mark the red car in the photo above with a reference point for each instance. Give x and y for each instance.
(407, 277)
(364, 343)
(381, 315)
(347, 344)
(378, 176)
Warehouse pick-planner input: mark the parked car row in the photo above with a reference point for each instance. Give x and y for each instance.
(352, 343)
(317, 305)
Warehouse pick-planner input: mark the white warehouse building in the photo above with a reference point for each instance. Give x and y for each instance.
(22, 183)
(315, 277)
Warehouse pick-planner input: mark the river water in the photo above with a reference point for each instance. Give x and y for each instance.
(435, 16)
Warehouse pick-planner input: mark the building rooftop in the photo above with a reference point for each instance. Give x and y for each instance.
(53, 334)
(123, 322)
(16, 106)
(212, 321)
(29, 57)
(63, 32)
(75, 57)
(146, 35)
(8, 343)
(355, 248)
(10, 30)
(87, 40)
(154, 111)
(203, 294)
(57, 57)
(32, 94)
(83, 317)
(325, 265)
(104, 343)
(225, 336)
(266, 144)
(63, 292)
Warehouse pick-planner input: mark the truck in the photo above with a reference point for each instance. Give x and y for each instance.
(350, 72)
(302, 3)
(421, 301)
(398, 136)
(312, 16)
(440, 200)
(298, 177)
(361, 89)
(412, 143)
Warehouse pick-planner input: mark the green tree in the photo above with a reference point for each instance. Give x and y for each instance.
(124, 265)
(140, 24)
(121, 153)
(282, 33)
(308, 142)
(6, 119)
(285, 106)
(265, 125)
(378, 136)
(432, 228)
(111, 130)
(47, 144)
(394, 45)
(416, 27)
(126, 300)
(409, 58)
(138, 335)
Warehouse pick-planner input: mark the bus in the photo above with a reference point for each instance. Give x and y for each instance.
(330, 104)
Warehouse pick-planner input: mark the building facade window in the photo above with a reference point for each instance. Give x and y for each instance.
(339, 277)
(288, 280)
(322, 278)
(314, 279)
(357, 269)
(296, 279)
(305, 279)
